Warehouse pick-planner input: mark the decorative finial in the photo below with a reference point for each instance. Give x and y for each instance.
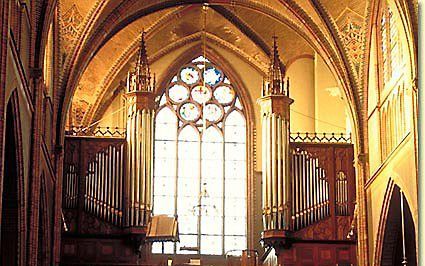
(142, 59)
(274, 84)
(140, 78)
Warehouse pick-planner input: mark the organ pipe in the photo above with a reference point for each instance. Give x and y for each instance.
(103, 183)
(140, 128)
(277, 194)
(310, 190)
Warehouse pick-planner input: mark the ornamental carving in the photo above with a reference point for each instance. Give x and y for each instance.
(322, 230)
(93, 225)
(79, 109)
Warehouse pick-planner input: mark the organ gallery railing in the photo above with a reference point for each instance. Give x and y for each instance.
(83, 131)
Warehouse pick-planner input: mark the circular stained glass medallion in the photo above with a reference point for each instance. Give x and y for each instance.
(178, 93)
(224, 94)
(201, 94)
(189, 75)
(212, 75)
(212, 112)
(189, 112)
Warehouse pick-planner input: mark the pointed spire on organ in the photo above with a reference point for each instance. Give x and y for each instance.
(274, 84)
(140, 79)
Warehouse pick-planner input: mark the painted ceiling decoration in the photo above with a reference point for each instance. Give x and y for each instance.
(99, 39)
(70, 25)
(351, 26)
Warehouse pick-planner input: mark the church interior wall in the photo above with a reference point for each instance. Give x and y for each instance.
(317, 93)
(301, 75)
(399, 163)
(331, 110)
(15, 83)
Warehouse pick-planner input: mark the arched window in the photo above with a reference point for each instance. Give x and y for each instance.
(200, 161)
(394, 111)
(390, 46)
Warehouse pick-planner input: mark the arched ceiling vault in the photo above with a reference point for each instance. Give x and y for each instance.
(99, 39)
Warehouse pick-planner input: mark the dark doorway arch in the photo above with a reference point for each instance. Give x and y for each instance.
(10, 196)
(392, 246)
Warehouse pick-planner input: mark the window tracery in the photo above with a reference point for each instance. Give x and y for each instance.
(394, 111)
(200, 161)
(390, 46)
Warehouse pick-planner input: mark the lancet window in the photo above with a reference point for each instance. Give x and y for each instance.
(390, 47)
(394, 110)
(200, 161)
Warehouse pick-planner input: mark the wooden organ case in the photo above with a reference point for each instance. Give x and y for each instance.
(308, 184)
(107, 185)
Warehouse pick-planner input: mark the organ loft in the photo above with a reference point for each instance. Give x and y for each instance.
(242, 133)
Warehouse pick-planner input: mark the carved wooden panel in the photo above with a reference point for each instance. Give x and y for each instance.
(318, 253)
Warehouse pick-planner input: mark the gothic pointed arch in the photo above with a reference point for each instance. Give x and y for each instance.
(394, 244)
(201, 135)
(13, 209)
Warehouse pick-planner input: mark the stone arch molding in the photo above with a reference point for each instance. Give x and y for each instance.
(13, 102)
(392, 187)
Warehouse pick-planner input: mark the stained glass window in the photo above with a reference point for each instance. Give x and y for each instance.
(200, 161)
(178, 93)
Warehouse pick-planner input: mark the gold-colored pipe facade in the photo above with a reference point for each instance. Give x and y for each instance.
(276, 171)
(140, 130)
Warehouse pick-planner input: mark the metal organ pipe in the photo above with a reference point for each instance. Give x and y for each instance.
(277, 204)
(310, 191)
(139, 174)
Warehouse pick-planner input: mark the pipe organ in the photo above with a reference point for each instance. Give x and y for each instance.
(140, 137)
(310, 190)
(104, 185)
(274, 105)
(139, 166)
(305, 186)
(341, 187)
(70, 187)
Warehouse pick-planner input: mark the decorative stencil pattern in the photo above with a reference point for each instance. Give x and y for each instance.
(70, 25)
(351, 27)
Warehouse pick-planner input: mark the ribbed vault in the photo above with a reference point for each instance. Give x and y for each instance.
(102, 48)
